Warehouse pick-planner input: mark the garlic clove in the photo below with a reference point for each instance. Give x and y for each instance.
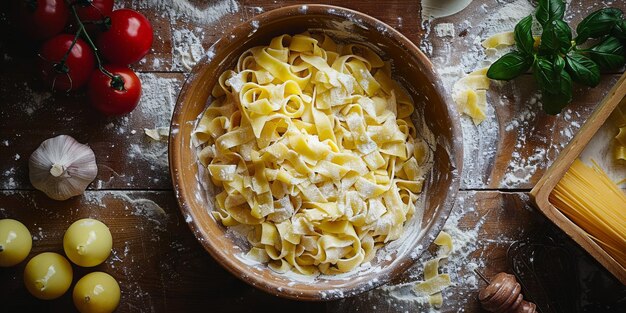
(62, 167)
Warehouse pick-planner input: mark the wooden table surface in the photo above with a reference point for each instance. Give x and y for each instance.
(157, 260)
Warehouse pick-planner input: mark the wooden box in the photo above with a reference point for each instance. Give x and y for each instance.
(553, 175)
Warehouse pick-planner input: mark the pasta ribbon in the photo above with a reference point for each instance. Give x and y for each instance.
(434, 282)
(499, 39)
(313, 146)
(470, 95)
(470, 92)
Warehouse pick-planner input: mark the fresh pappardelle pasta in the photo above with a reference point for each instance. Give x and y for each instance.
(313, 145)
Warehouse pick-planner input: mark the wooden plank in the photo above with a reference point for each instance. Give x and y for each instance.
(156, 259)
(161, 267)
(402, 15)
(506, 158)
(164, 269)
(497, 155)
(483, 225)
(160, 56)
(516, 143)
(192, 34)
(527, 140)
(126, 157)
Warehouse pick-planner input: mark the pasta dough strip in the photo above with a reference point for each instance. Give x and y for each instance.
(313, 145)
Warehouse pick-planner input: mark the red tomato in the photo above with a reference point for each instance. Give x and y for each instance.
(41, 19)
(128, 39)
(94, 10)
(111, 96)
(77, 68)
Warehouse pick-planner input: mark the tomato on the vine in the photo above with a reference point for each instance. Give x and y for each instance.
(128, 39)
(41, 19)
(93, 10)
(114, 96)
(63, 68)
(93, 14)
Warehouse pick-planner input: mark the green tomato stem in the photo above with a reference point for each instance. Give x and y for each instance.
(81, 29)
(61, 67)
(117, 83)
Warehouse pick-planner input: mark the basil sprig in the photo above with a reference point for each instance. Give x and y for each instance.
(619, 31)
(583, 70)
(555, 84)
(550, 10)
(510, 65)
(598, 24)
(608, 54)
(556, 37)
(558, 61)
(523, 35)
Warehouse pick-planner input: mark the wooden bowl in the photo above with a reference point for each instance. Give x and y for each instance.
(419, 77)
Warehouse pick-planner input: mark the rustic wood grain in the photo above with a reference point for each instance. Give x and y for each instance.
(498, 220)
(127, 159)
(520, 139)
(159, 263)
(162, 268)
(156, 259)
(514, 146)
(31, 114)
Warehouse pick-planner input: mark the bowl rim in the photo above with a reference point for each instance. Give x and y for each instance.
(455, 150)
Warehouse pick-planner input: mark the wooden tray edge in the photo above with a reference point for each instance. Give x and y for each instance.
(540, 193)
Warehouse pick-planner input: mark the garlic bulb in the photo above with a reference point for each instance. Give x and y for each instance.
(62, 167)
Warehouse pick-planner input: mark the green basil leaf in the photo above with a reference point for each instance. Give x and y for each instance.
(556, 37)
(598, 24)
(559, 63)
(583, 70)
(543, 70)
(608, 54)
(524, 36)
(556, 87)
(554, 102)
(509, 66)
(619, 30)
(550, 10)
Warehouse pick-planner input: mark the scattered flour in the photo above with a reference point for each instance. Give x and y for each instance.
(444, 30)
(158, 98)
(135, 204)
(157, 104)
(481, 143)
(505, 18)
(9, 183)
(184, 9)
(188, 48)
(400, 297)
(33, 99)
(600, 150)
(153, 152)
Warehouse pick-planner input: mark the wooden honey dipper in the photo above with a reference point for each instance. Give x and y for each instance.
(503, 295)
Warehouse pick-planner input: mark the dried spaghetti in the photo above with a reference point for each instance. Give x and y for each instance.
(596, 204)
